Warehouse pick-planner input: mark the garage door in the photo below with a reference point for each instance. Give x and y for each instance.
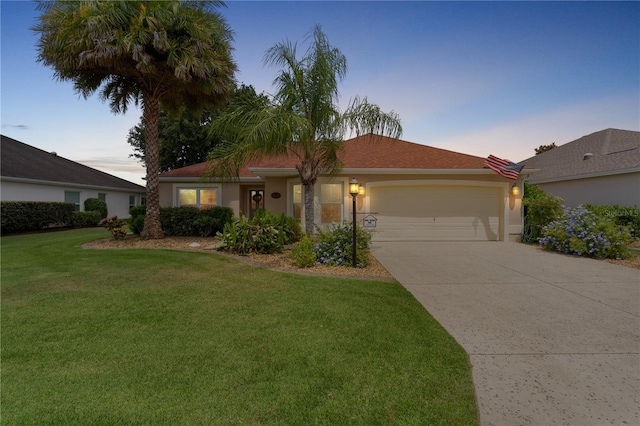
(435, 213)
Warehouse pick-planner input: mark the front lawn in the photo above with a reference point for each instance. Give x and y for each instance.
(167, 337)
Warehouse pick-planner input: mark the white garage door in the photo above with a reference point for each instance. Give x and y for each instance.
(435, 213)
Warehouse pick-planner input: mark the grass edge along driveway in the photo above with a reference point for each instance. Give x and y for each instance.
(169, 337)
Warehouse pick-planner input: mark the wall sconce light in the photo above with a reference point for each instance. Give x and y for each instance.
(360, 190)
(515, 189)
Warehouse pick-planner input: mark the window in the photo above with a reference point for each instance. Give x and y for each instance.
(331, 201)
(297, 201)
(198, 197)
(132, 201)
(72, 197)
(102, 197)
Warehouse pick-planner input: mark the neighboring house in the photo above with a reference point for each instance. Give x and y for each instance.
(410, 192)
(602, 168)
(31, 174)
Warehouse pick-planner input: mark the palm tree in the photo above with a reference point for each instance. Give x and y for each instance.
(156, 53)
(302, 119)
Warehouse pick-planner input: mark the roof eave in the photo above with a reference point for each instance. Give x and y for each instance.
(588, 175)
(212, 180)
(284, 172)
(141, 189)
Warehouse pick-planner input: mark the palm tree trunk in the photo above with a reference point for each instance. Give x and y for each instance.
(152, 227)
(309, 207)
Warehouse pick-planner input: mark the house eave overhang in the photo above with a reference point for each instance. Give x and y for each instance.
(285, 172)
(70, 184)
(587, 175)
(212, 180)
(398, 171)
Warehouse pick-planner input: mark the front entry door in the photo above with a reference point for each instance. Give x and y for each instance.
(256, 201)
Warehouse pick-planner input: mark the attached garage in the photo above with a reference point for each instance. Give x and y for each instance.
(414, 192)
(422, 211)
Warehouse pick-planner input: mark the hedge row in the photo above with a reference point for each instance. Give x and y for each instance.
(185, 221)
(620, 215)
(25, 216)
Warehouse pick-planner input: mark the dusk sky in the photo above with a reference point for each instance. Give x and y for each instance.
(480, 78)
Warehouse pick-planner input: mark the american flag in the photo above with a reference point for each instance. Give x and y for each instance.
(503, 167)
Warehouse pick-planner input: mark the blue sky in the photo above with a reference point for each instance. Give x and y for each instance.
(481, 78)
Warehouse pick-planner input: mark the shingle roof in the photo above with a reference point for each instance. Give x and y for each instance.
(613, 151)
(23, 161)
(363, 152)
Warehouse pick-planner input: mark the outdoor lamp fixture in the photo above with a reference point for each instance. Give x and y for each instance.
(515, 190)
(354, 189)
(360, 190)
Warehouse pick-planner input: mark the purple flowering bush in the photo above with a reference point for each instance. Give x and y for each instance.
(335, 247)
(582, 233)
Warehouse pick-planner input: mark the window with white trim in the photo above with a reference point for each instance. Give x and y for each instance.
(331, 202)
(102, 196)
(202, 198)
(72, 197)
(132, 201)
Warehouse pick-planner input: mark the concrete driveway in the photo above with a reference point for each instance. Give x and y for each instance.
(552, 339)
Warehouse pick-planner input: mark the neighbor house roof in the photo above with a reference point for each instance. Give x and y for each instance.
(22, 162)
(363, 152)
(609, 151)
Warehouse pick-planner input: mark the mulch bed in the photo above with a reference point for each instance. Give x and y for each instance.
(280, 261)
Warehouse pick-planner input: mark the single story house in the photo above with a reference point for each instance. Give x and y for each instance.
(31, 174)
(408, 192)
(602, 168)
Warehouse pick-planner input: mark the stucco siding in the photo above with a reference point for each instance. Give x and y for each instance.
(117, 202)
(622, 189)
(273, 186)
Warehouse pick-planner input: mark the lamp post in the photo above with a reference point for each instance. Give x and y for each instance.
(353, 190)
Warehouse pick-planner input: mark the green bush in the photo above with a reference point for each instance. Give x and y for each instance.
(620, 215)
(265, 233)
(191, 221)
(138, 211)
(540, 208)
(136, 221)
(96, 205)
(581, 232)
(136, 224)
(289, 225)
(335, 247)
(24, 216)
(302, 253)
(85, 219)
(115, 226)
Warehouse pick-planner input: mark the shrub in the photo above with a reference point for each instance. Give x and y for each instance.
(24, 216)
(265, 233)
(540, 208)
(302, 253)
(179, 221)
(85, 219)
(289, 225)
(620, 215)
(136, 222)
(213, 220)
(115, 226)
(335, 247)
(96, 205)
(581, 232)
(138, 211)
(191, 221)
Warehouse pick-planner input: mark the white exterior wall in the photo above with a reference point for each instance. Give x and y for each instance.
(117, 201)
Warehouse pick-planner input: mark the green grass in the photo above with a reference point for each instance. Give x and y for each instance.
(148, 337)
